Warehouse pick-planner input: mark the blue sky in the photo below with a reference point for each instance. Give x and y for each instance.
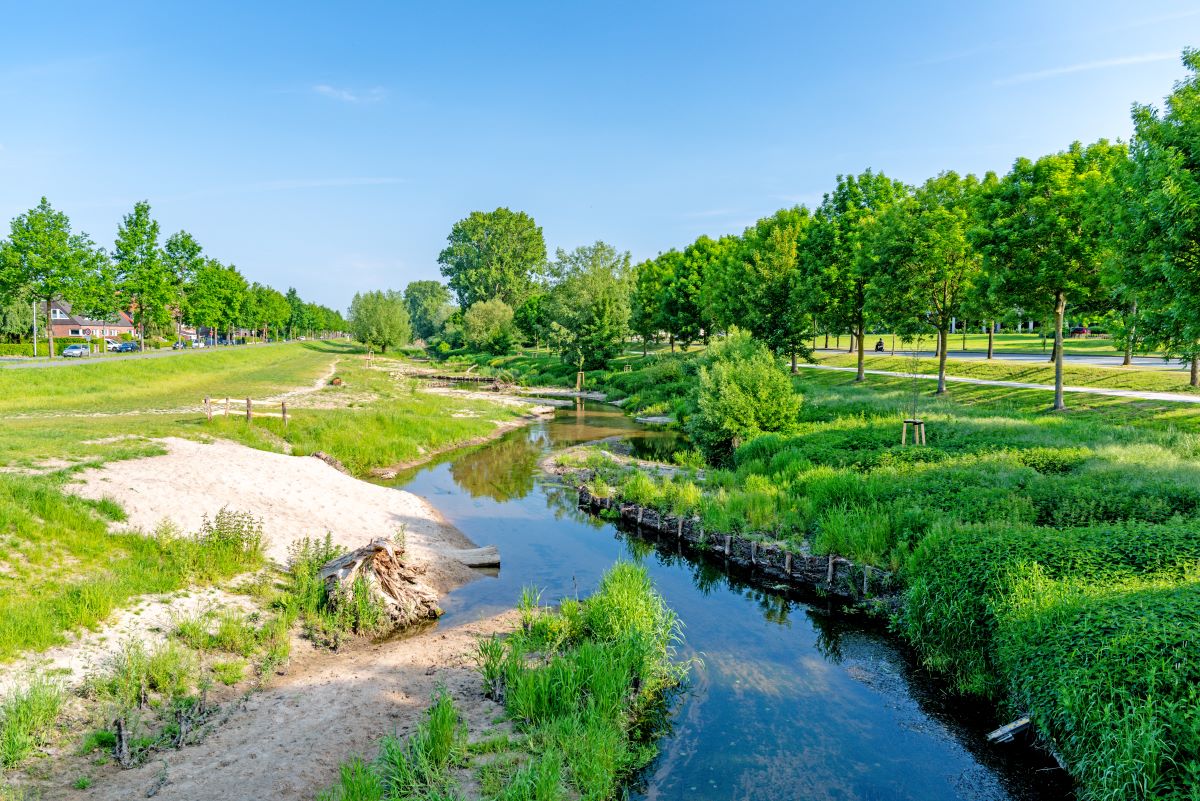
(331, 146)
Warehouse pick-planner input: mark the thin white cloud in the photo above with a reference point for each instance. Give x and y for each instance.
(373, 95)
(1086, 66)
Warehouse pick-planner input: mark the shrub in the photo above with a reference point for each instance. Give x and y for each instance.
(27, 717)
(741, 393)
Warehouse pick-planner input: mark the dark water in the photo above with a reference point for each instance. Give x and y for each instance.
(795, 699)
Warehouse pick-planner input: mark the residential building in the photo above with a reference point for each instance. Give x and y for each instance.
(66, 324)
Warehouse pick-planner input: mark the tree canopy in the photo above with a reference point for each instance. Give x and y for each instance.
(499, 254)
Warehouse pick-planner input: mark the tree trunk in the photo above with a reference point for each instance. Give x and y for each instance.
(860, 335)
(50, 327)
(1130, 336)
(991, 337)
(793, 361)
(943, 336)
(1195, 381)
(397, 587)
(1060, 308)
(852, 336)
(826, 340)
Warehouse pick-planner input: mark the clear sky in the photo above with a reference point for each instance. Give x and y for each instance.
(331, 146)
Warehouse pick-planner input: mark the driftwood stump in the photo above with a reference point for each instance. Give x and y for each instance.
(397, 586)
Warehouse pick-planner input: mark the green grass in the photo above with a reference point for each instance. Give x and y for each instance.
(63, 569)
(1006, 342)
(27, 717)
(165, 383)
(584, 686)
(1145, 379)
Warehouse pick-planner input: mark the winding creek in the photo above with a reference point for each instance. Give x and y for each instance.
(793, 698)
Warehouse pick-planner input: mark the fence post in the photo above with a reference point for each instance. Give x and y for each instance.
(249, 410)
(226, 405)
(283, 405)
(208, 408)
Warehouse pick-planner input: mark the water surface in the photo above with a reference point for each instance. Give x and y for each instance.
(794, 698)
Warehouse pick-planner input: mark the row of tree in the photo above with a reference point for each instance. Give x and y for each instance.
(1107, 231)
(161, 286)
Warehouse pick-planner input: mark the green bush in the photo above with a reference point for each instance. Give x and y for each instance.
(18, 349)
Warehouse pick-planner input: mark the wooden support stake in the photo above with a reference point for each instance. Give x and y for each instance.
(753, 552)
(829, 579)
(728, 539)
(283, 408)
(208, 408)
(866, 574)
(679, 528)
(226, 406)
(787, 564)
(641, 511)
(249, 411)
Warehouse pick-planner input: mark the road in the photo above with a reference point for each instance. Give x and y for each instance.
(1174, 397)
(13, 362)
(1094, 360)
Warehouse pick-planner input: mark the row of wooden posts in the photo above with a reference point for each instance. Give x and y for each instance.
(208, 410)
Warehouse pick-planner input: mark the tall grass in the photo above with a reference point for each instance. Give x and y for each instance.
(27, 717)
(584, 685)
(64, 570)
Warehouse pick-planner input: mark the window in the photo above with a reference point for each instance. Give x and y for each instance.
(58, 314)
(74, 332)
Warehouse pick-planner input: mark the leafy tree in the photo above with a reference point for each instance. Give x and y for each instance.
(1160, 234)
(589, 304)
(428, 307)
(933, 265)
(646, 315)
(840, 264)
(182, 257)
(1041, 233)
(16, 319)
(298, 318)
(532, 318)
(488, 326)
(684, 314)
(216, 297)
(380, 320)
(741, 393)
(143, 278)
(498, 254)
(44, 260)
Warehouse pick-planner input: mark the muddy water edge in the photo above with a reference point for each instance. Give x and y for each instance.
(793, 697)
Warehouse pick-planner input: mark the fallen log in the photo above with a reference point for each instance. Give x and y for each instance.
(395, 585)
(487, 556)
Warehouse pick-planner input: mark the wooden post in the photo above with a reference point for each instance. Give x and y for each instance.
(227, 406)
(579, 382)
(283, 407)
(249, 411)
(208, 408)
(728, 538)
(787, 564)
(679, 528)
(866, 573)
(641, 511)
(829, 579)
(753, 552)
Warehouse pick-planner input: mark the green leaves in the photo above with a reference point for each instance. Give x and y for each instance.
(498, 254)
(380, 320)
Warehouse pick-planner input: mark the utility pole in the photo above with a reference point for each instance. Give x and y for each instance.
(33, 305)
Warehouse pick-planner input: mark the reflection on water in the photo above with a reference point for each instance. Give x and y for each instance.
(794, 699)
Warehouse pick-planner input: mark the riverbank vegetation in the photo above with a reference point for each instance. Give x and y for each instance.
(583, 688)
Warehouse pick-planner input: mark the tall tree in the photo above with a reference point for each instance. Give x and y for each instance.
(298, 318)
(840, 264)
(380, 320)
(143, 278)
(428, 306)
(589, 304)
(1160, 239)
(1041, 233)
(497, 254)
(44, 260)
(646, 316)
(182, 257)
(933, 265)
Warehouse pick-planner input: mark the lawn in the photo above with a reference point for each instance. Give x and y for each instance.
(1002, 343)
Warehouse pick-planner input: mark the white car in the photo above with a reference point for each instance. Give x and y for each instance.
(111, 345)
(75, 351)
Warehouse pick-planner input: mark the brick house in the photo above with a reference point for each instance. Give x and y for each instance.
(66, 324)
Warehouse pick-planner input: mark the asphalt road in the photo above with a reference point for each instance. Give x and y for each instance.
(1072, 358)
(16, 362)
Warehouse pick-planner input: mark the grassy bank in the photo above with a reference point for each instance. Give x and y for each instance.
(582, 687)
(1049, 560)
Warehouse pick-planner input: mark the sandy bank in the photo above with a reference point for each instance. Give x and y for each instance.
(295, 496)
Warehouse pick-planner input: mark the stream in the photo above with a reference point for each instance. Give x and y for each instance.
(792, 698)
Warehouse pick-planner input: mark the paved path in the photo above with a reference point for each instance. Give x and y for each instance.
(103, 358)
(1095, 360)
(1177, 397)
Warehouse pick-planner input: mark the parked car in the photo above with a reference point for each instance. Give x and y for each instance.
(1080, 331)
(76, 351)
(180, 345)
(129, 347)
(112, 345)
